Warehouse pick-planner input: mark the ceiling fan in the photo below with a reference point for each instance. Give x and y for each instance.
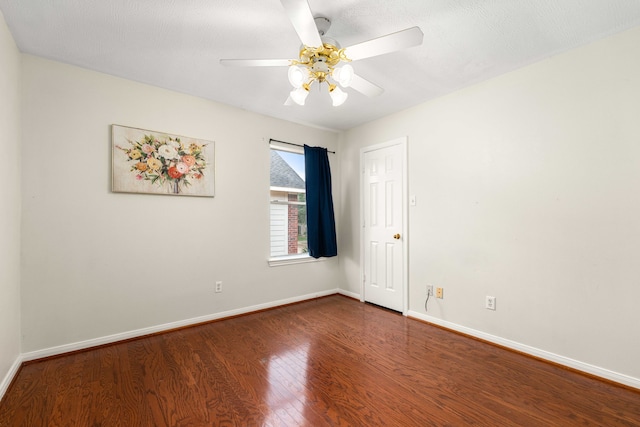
(322, 60)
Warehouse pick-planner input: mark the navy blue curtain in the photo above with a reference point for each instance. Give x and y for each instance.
(321, 223)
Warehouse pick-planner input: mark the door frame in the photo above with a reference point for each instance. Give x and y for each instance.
(402, 142)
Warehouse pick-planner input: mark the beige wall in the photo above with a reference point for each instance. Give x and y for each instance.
(97, 263)
(9, 203)
(528, 189)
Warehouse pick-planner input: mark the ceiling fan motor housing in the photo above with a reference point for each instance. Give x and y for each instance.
(320, 68)
(322, 24)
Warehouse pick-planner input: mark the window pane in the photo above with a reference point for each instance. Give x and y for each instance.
(302, 228)
(288, 211)
(294, 160)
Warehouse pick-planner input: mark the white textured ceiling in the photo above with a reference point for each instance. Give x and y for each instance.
(178, 44)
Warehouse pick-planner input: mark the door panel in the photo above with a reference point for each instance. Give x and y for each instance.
(383, 204)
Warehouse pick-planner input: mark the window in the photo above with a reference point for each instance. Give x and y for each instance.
(288, 213)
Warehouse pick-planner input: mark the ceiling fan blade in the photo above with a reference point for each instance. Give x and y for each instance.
(256, 62)
(365, 86)
(300, 15)
(385, 44)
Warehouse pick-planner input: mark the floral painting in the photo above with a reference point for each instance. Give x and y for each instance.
(145, 161)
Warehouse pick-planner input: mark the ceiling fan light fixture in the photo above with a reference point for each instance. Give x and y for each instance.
(320, 57)
(344, 75)
(297, 76)
(337, 95)
(299, 95)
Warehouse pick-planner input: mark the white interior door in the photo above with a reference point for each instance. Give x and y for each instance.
(384, 201)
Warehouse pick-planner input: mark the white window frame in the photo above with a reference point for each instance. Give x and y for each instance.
(275, 261)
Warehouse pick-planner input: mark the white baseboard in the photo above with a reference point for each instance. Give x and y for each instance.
(13, 370)
(542, 354)
(349, 294)
(81, 345)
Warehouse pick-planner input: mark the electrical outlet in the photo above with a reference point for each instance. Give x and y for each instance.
(490, 303)
(439, 293)
(218, 286)
(429, 290)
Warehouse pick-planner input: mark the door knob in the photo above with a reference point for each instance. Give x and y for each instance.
(396, 236)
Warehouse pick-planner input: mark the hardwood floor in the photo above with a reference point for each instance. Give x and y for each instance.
(327, 362)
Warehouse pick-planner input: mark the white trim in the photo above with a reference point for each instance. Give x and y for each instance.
(565, 361)
(82, 345)
(287, 202)
(13, 370)
(287, 189)
(350, 294)
(287, 147)
(533, 351)
(292, 259)
(402, 142)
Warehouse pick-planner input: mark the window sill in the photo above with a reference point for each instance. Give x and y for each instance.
(292, 259)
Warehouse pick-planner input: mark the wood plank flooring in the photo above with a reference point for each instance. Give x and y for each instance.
(328, 362)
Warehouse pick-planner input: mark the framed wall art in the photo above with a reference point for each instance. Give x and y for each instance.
(152, 162)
